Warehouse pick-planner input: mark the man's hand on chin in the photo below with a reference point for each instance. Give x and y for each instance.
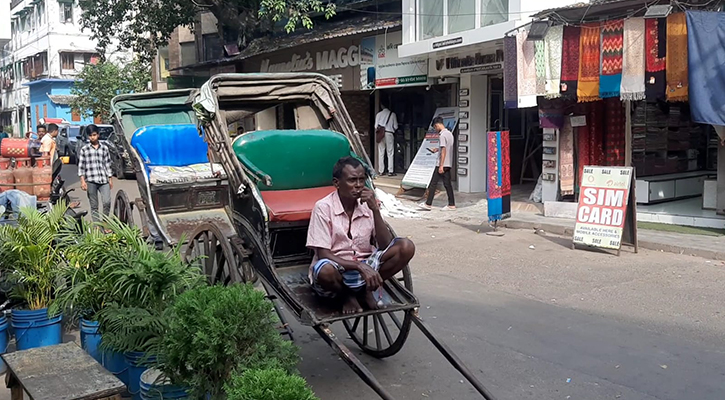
(368, 197)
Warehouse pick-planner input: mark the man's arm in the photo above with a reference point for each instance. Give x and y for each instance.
(383, 236)
(82, 168)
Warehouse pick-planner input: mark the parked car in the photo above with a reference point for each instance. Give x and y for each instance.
(67, 141)
(122, 167)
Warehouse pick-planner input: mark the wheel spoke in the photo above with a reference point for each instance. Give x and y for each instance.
(379, 317)
(377, 333)
(355, 324)
(365, 332)
(395, 319)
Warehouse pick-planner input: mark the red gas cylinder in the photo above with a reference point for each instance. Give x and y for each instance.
(6, 175)
(14, 147)
(42, 175)
(23, 175)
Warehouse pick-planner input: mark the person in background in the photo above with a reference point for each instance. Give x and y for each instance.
(41, 131)
(388, 121)
(240, 130)
(3, 135)
(47, 142)
(443, 169)
(94, 169)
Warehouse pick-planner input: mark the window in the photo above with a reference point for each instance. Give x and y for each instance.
(66, 13)
(188, 53)
(67, 61)
(212, 47)
(75, 115)
(90, 59)
(461, 15)
(494, 12)
(41, 13)
(437, 18)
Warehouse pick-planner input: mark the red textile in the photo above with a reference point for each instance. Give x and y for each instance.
(614, 142)
(590, 139)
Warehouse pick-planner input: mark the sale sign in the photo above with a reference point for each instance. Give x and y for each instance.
(602, 209)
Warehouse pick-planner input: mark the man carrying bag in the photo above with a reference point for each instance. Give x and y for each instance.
(386, 123)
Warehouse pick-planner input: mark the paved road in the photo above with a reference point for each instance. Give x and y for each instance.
(543, 323)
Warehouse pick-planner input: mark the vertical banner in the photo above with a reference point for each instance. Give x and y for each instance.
(424, 164)
(603, 206)
(498, 186)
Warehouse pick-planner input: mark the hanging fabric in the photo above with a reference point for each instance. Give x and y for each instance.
(656, 50)
(614, 140)
(590, 139)
(589, 50)
(551, 113)
(633, 60)
(525, 70)
(566, 158)
(610, 79)
(540, 59)
(510, 100)
(677, 57)
(706, 55)
(570, 62)
(498, 190)
(552, 54)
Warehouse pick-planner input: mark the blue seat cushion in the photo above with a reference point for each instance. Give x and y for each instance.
(174, 145)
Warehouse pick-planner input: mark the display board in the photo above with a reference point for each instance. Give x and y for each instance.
(606, 208)
(421, 169)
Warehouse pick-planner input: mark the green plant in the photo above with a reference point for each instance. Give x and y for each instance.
(30, 255)
(87, 286)
(138, 285)
(268, 384)
(216, 329)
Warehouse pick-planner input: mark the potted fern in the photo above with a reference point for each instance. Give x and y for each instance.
(88, 287)
(145, 282)
(268, 384)
(30, 257)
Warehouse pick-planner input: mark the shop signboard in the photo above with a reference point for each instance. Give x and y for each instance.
(605, 208)
(483, 61)
(391, 70)
(421, 169)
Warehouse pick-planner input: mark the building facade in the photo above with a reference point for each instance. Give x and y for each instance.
(47, 44)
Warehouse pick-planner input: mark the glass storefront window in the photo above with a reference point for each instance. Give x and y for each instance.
(461, 15)
(431, 18)
(494, 12)
(444, 17)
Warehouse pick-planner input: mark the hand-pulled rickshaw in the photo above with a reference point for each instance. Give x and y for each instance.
(247, 211)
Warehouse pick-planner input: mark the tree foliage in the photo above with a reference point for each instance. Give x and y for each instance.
(144, 26)
(98, 83)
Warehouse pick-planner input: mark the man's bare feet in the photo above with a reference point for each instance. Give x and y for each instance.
(370, 301)
(351, 305)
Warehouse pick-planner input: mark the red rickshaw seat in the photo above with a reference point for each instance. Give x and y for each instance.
(293, 205)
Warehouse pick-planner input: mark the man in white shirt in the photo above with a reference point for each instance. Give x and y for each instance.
(47, 142)
(443, 169)
(388, 120)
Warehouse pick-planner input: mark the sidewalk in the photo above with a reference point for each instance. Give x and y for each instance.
(472, 208)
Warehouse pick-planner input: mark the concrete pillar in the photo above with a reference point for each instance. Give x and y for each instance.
(475, 180)
(550, 189)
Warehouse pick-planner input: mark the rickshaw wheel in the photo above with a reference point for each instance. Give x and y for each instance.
(122, 208)
(209, 249)
(244, 266)
(389, 329)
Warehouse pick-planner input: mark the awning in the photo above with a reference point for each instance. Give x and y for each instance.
(61, 99)
(322, 31)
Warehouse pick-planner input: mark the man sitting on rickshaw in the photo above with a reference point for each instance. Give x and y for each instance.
(345, 227)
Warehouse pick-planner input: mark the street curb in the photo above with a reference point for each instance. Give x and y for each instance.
(645, 244)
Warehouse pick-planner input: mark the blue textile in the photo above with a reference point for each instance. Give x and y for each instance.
(16, 199)
(706, 66)
(175, 145)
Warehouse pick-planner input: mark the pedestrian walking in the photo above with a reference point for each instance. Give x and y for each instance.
(3, 135)
(443, 168)
(386, 123)
(94, 169)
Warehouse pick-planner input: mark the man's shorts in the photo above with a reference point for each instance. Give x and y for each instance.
(352, 279)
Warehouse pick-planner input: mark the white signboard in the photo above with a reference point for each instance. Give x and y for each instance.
(426, 160)
(602, 209)
(392, 70)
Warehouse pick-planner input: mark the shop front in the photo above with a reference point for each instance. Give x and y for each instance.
(623, 101)
(479, 72)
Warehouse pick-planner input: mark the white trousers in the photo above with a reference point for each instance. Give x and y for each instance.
(389, 143)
